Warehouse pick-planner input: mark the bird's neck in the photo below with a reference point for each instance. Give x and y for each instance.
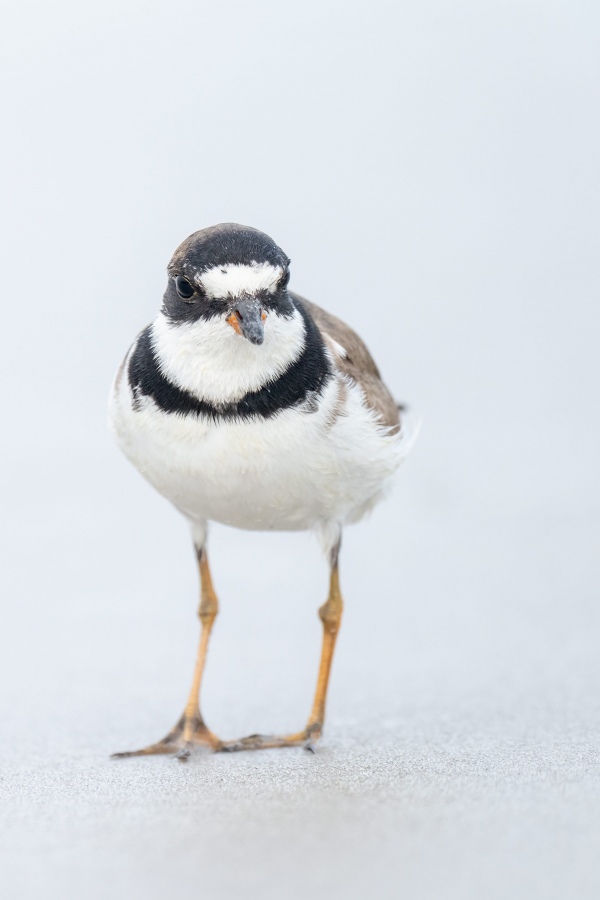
(209, 360)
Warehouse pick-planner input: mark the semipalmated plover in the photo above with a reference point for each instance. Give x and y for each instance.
(245, 404)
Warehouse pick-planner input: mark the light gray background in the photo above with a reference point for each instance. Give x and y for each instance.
(432, 170)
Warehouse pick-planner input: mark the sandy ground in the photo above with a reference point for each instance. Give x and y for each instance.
(461, 753)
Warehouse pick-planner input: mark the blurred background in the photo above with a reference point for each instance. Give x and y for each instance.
(431, 169)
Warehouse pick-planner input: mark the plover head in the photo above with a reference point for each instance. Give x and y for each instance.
(231, 273)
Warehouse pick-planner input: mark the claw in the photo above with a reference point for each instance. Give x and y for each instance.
(306, 739)
(153, 750)
(175, 744)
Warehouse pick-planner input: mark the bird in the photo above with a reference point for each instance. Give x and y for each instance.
(246, 404)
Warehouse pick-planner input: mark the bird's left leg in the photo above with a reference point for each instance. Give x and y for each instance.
(190, 728)
(331, 616)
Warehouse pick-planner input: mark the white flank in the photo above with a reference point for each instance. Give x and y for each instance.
(231, 280)
(341, 351)
(210, 360)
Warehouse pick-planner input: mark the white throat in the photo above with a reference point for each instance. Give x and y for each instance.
(208, 359)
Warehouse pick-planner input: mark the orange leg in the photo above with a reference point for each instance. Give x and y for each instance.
(331, 615)
(190, 730)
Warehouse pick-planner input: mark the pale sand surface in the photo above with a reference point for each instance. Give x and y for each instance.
(461, 756)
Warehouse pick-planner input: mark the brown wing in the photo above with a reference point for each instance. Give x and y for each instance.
(357, 362)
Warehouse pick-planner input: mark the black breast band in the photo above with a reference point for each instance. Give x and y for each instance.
(301, 380)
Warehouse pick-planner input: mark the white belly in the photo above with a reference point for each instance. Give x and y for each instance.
(292, 471)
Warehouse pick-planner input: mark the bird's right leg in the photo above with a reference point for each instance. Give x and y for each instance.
(191, 730)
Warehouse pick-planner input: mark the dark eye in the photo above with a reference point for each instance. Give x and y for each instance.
(184, 288)
(285, 278)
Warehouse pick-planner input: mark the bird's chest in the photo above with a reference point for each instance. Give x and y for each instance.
(259, 473)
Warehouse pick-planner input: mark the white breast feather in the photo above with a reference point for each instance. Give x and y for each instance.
(294, 470)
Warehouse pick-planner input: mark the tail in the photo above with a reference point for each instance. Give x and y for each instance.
(410, 426)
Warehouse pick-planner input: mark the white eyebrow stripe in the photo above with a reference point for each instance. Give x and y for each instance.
(233, 279)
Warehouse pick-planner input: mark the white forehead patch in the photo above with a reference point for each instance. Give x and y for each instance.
(231, 280)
